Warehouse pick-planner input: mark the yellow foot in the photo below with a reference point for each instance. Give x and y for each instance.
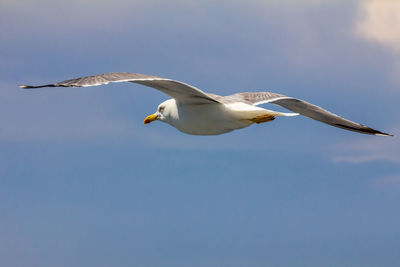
(263, 118)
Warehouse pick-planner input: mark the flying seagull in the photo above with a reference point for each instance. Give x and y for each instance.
(192, 111)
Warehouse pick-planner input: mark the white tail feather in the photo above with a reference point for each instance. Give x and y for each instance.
(289, 114)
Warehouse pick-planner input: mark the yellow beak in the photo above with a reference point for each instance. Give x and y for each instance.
(150, 118)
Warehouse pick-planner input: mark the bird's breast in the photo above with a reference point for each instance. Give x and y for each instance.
(205, 119)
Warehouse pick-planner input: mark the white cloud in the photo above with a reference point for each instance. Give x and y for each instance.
(379, 21)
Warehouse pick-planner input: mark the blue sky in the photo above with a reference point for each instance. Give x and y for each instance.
(84, 183)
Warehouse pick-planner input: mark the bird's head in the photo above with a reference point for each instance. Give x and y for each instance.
(164, 111)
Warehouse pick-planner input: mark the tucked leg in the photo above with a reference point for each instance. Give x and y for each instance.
(263, 118)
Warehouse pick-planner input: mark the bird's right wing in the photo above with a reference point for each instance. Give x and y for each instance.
(306, 109)
(180, 91)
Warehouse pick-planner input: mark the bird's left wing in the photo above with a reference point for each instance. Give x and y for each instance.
(180, 91)
(304, 108)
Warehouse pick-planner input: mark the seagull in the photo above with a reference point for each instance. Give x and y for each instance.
(192, 111)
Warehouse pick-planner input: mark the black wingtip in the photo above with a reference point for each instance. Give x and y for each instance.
(384, 134)
(363, 129)
(34, 87)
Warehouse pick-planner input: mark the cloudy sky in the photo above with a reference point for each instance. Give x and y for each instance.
(84, 183)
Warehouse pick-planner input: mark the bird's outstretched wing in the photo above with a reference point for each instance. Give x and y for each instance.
(304, 108)
(180, 91)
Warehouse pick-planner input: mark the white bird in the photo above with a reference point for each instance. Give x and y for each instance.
(193, 111)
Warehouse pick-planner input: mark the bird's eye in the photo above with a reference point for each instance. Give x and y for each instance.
(160, 109)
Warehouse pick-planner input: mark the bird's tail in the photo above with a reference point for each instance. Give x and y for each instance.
(276, 113)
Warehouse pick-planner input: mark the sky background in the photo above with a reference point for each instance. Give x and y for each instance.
(84, 183)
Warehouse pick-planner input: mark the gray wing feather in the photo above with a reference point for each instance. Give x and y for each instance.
(304, 108)
(251, 98)
(182, 92)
